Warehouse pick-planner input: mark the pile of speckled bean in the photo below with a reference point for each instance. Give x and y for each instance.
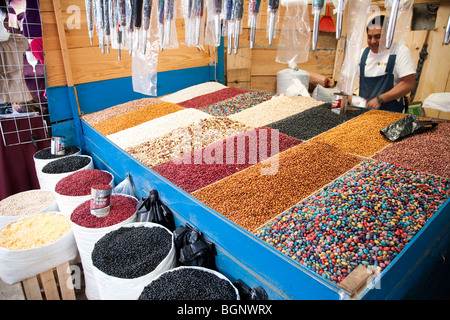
(211, 98)
(366, 216)
(237, 103)
(184, 140)
(428, 152)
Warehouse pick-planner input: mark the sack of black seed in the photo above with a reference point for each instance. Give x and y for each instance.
(55, 170)
(44, 156)
(190, 283)
(127, 259)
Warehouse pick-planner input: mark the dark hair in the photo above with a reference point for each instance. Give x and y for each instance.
(376, 21)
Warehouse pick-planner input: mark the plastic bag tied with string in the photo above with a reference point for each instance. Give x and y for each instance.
(294, 42)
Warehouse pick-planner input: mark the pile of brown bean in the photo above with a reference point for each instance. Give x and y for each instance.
(428, 151)
(134, 118)
(184, 140)
(250, 198)
(361, 135)
(120, 109)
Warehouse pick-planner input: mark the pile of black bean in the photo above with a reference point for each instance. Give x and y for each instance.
(189, 284)
(67, 164)
(314, 121)
(131, 252)
(47, 153)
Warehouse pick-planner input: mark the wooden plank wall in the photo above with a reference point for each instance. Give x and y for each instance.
(249, 69)
(257, 69)
(87, 63)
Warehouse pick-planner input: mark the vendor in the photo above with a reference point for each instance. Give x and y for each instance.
(385, 76)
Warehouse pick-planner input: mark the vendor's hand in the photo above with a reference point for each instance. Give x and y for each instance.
(373, 104)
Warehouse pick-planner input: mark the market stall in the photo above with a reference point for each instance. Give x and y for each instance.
(300, 198)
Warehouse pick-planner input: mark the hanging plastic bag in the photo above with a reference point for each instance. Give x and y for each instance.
(151, 209)
(293, 46)
(125, 187)
(145, 63)
(194, 20)
(357, 12)
(407, 126)
(193, 249)
(214, 18)
(402, 25)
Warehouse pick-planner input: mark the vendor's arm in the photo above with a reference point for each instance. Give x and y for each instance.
(405, 86)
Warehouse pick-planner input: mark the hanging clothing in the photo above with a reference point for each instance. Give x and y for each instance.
(12, 84)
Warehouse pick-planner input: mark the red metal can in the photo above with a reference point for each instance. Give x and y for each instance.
(101, 200)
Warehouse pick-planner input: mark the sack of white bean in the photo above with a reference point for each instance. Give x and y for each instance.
(26, 203)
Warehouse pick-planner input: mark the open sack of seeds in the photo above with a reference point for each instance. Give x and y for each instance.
(190, 283)
(55, 170)
(25, 204)
(75, 189)
(35, 244)
(127, 259)
(44, 156)
(88, 229)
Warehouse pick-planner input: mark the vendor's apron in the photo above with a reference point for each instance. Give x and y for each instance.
(371, 87)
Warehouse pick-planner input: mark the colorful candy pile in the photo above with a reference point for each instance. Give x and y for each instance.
(364, 217)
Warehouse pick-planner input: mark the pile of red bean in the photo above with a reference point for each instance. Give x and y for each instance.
(122, 208)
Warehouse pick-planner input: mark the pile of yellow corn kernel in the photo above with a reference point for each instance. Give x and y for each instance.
(34, 231)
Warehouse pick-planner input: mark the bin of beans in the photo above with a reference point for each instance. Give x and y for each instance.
(26, 203)
(88, 229)
(44, 156)
(127, 259)
(55, 170)
(75, 189)
(34, 244)
(190, 283)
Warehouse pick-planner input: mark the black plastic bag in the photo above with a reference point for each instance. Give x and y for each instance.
(151, 209)
(247, 293)
(406, 126)
(193, 249)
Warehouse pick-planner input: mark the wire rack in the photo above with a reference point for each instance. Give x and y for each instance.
(24, 115)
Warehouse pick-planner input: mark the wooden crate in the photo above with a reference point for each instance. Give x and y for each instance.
(53, 284)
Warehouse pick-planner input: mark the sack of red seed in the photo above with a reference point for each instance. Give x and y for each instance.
(75, 189)
(88, 229)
